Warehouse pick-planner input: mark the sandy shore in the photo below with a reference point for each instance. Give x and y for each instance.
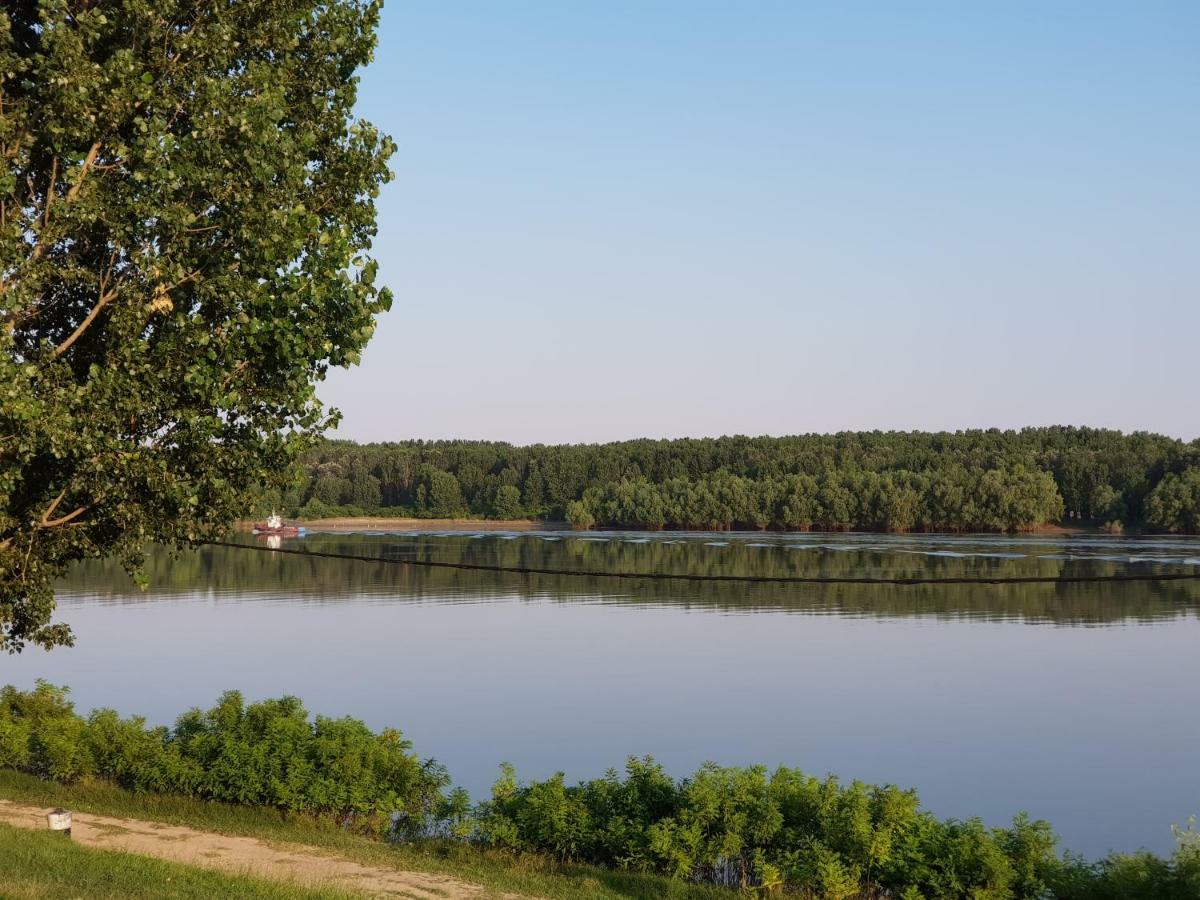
(387, 523)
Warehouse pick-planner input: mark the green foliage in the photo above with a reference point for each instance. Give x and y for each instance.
(262, 754)
(1134, 876)
(995, 500)
(1174, 504)
(745, 827)
(42, 734)
(186, 210)
(871, 481)
(507, 504)
(438, 494)
(740, 827)
(579, 514)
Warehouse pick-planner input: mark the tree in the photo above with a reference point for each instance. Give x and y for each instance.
(580, 515)
(1174, 504)
(438, 494)
(507, 504)
(330, 490)
(186, 209)
(1107, 505)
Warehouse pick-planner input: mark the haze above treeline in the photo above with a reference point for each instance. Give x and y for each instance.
(986, 480)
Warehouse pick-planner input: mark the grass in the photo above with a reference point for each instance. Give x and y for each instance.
(37, 864)
(523, 874)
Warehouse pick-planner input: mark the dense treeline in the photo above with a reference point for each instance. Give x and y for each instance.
(746, 827)
(953, 499)
(895, 481)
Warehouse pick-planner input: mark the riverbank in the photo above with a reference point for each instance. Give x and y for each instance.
(226, 772)
(430, 869)
(316, 873)
(964, 481)
(408, 523)
(135, 845)
(399, 523)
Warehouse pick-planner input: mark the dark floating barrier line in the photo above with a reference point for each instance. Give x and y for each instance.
(754, 579)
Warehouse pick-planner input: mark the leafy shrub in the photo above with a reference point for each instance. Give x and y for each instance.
(580, 515)
(507, 504)
(1135, 876)
(815, 837)
(1174, 504)
(264, 754)
(40, 733)
(744, 827)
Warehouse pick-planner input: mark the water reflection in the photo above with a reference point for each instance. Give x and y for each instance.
(228, 572)
(960, 692)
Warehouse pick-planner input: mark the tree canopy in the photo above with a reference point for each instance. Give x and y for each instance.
(870, 481)
(186, 209)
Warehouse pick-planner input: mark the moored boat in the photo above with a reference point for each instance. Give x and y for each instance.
(274, 527)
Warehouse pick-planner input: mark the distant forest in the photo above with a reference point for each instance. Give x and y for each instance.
(865, 481)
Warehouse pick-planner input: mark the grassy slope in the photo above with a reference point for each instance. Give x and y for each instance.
(37, 864)
(534, 875)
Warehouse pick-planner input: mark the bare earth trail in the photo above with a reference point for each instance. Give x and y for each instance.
(296, 863)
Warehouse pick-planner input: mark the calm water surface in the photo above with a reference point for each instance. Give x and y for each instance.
(1077, 703)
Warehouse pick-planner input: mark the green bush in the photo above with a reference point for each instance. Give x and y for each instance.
(264, 754)
(741, 827)
(40, 733)
(507, 504)
(1133, 876)
(1174, 504)
(580, 515)
(816, 837)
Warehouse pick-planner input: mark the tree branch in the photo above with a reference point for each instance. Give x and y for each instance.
(62, 520)
(47, 522)
(54, 505)
(104, 300)
(50, 192)
(234, 373)
(190, 276)
(158, 304)
(93, 151)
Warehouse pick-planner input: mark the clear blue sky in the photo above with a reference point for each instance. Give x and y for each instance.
(619, 218)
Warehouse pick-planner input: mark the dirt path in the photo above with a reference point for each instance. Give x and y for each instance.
(249, 856)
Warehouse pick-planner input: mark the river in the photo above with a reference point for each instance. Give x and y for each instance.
(1074, 702)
